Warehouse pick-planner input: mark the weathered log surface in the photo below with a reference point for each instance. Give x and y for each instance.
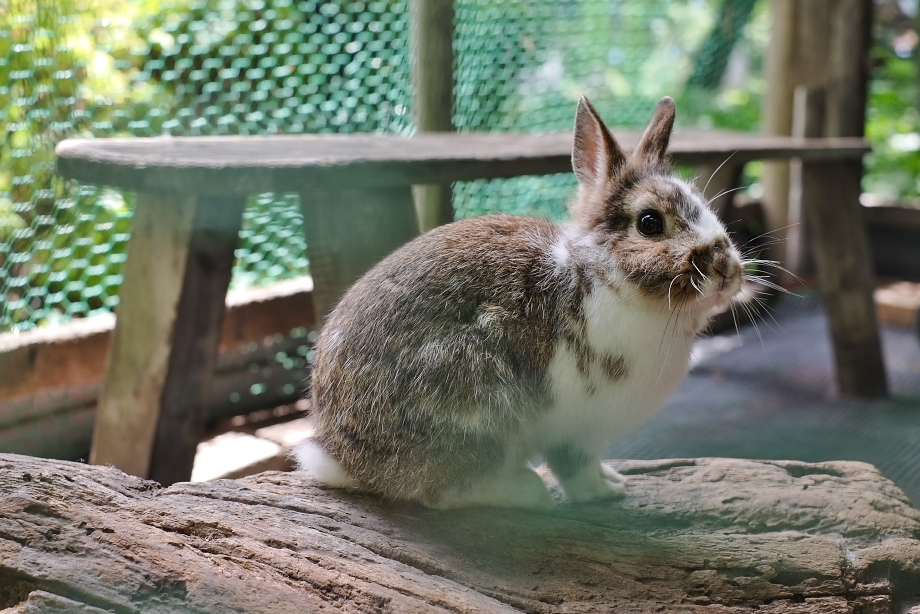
(703, 535)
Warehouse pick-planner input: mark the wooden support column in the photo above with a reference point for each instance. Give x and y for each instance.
(777, 119)
(831, 196)
(830, 193)
(431, 47)
(162, 359)
(817, 72)
(350, 230)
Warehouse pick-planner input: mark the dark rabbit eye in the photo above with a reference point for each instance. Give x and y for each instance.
(650, 223)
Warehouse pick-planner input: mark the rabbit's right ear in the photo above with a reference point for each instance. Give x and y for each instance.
(595, 153)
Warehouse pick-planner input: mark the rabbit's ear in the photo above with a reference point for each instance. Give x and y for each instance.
(595, 153)
(653, 145)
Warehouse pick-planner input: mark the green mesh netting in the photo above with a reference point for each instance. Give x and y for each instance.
(97, 68)
(191, 67)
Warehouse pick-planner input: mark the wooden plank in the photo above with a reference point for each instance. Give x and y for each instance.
(350, 230)
(61, 356)
(431, 38)
(68, 356)
(163, 352)
(243, 165)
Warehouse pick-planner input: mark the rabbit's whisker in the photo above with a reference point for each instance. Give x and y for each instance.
(695, 287)
(765, 282)
(723, 193)
(698, 270)
(772, 264)
(731, 305)
(769, 233)
(676, 319)
(675, 316)
(718, 168)
(671, 285)
(760, 247)
(751, 314)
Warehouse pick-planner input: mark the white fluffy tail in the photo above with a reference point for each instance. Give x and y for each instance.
(312, 459)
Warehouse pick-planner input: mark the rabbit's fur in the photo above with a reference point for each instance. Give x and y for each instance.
(488, 341)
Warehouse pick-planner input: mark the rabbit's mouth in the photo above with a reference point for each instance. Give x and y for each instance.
(709, 287)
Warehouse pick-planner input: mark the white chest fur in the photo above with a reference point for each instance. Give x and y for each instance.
(637, 352)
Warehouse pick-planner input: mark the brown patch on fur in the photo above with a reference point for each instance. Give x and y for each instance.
(614, 367)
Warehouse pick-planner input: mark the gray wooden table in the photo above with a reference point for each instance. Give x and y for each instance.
(355, 193)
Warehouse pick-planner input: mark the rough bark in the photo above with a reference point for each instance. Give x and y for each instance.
(703, 535)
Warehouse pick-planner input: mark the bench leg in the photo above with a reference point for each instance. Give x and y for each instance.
(830, 196)
(164, 346)
(350, 230)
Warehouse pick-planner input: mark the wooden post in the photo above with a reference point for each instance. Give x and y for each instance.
(819, 56)
(432, 33)
(848, 68)
(348, 231)
(161, 361)
(777, 119)
(830, 197)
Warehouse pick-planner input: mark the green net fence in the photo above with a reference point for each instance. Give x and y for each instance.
(202, 67)
(97, 68)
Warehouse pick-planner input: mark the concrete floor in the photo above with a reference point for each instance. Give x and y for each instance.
(774, 399)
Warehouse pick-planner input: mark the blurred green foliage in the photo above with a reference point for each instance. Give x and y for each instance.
(893, 128)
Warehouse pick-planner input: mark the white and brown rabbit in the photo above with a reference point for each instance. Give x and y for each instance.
(491, 340)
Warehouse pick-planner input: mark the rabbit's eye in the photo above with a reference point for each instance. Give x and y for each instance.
(650, 223)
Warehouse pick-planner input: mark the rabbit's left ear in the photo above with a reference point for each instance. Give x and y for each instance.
(596, 155)
(653, 145)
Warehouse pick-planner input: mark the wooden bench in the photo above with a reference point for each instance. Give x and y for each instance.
(355, 193)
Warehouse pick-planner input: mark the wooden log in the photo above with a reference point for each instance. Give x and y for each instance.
(693, 535)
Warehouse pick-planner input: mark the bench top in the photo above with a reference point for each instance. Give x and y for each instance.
(243, 165)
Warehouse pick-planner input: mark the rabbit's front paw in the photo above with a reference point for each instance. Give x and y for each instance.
(593, 483)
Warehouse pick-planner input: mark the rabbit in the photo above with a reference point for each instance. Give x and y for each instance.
(487, 342)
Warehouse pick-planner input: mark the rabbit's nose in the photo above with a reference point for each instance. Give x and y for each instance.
(726, 266)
